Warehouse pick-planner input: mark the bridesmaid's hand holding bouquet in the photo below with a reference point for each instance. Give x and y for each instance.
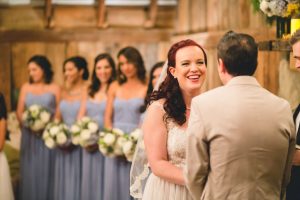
(36, 117)
(56, 134)
(111, 142)
(85, 133)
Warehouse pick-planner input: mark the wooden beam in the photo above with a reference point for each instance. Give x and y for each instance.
(92, 34)
(101, 23)
(152, 15)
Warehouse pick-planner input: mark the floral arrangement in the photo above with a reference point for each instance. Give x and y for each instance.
(281, 8)
(85, 132)
(36, 118)
(130, 144)
(111, 142)
(56, 134)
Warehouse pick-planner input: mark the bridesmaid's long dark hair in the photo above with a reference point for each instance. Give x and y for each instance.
(170, 90)
(133, 56)
(96, 84)
(150, 86)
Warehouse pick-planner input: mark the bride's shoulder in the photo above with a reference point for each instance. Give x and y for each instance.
(158, 104)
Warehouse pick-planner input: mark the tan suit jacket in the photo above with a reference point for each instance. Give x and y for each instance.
(240, 143)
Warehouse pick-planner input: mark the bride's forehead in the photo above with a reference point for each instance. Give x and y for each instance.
(189, 52)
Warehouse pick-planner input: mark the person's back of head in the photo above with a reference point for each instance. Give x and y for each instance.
(238, 52)
(295, 37)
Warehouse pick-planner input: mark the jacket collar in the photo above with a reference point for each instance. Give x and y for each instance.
(243, 80)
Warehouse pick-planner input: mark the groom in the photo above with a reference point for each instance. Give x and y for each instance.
(240, 136)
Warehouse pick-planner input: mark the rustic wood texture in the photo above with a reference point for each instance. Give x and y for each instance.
(48, 13)
(198, 15)
(74, 30)
(101, 14)
(267, 72)
(74, 16)
(112, 34)
(22, 18)
(183, 19)
(5, 73)
(151, 14)
(213, 18)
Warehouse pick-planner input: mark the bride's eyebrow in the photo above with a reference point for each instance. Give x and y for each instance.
(183, 61)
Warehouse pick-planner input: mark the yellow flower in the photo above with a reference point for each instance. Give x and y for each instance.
(292, 9)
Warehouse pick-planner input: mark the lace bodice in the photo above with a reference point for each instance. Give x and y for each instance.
(176, 145)
(176, 142)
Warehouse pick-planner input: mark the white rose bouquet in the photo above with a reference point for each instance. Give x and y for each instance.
(56, 134)
(36, 118)
(85, 132)
(111, 142)
(130, 144)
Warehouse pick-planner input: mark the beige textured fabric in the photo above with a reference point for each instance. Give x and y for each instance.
(240, 143)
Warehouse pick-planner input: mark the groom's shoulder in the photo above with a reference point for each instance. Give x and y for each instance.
(211, 94)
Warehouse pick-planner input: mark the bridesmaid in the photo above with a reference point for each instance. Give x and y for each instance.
(68, 160)
(104, 73)
(37, 160)
(153, 78)
(122, 111)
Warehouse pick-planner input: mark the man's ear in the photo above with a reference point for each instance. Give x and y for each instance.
(221, 67)
(172, 71)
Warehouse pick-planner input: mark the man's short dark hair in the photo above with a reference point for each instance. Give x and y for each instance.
(239, 53)
(295, 37)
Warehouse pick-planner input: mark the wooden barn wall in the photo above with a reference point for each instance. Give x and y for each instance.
(73, 32)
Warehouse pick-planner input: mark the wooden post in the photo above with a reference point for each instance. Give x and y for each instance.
(101, 14)
(152, 14)
(48, 13)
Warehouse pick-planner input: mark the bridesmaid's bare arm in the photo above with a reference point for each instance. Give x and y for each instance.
(82, 109)
(57, 93)
(108, 115)
(21, 102)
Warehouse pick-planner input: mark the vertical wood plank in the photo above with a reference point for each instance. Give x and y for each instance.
(224, 19)
(213, 15)
(243, 13)
(233, 19)
(21, 53)
(183, 13)
(198, 15)
(5, 73)
(56, 54)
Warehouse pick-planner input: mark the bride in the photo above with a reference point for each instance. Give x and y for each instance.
(166, 122)
(5, 182)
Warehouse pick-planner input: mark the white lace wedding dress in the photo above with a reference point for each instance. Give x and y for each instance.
(159, 189)
(6, 192)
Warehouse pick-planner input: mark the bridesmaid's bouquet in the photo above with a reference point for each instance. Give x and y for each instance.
(85, 132)
(111, 142)
(36, 117)
(56, 134)
(130, 144)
